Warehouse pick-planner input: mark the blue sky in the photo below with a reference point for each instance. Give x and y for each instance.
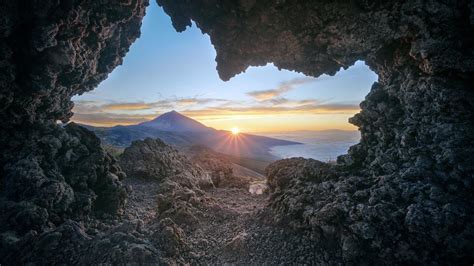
(167, 70)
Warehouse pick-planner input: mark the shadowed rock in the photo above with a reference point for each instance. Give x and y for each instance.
(63, 174)
(152, 158)
(179, 179)
(218, 167)
(50, 51)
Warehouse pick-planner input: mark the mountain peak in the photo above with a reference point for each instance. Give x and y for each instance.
(175, 122)
(170, 113)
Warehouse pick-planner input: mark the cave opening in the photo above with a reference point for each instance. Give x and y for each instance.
(165, 70)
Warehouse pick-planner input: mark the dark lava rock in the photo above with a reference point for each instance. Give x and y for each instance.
(180, 180)
(217, 166)
(152, 158)
(63, 174)
(50, 51)
(371, 219)
(281, 173)
(70, 243)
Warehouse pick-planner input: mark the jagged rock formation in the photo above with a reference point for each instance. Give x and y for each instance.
(403, 195)
(376, 219)
(408, 194)
(65, 173)
(219, 169)
(62, 175)
(152, 158)
(50, 51)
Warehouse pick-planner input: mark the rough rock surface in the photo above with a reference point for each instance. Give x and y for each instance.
(404, 194)
(218, 168)
(152, 158)
(63, 173)
(181, 181)
(376, 219)
(50, 51)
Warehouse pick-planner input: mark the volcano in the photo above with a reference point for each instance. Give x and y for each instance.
(175, 122)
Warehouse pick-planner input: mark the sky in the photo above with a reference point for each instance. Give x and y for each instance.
(165, 70)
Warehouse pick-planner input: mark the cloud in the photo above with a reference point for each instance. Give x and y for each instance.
(109, 119)
(259, 110)
(291, 103)
(264, 95)
(197, 100)
(128, 106)
(166, 104)
(102, 113)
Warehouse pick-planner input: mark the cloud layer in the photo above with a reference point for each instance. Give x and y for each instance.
(264, 95)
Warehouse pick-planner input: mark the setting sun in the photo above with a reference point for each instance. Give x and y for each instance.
(235, 131)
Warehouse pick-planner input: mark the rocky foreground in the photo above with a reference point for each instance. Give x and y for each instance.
(195, 209)
(179, 210)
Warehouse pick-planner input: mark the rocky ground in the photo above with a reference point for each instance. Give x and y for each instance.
(224, 223)
(231, 227)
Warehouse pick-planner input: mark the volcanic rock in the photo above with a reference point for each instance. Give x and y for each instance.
(152, 158)
(217, 166)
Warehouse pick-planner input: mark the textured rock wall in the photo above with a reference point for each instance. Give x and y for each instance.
(50, 51)
(371, 220)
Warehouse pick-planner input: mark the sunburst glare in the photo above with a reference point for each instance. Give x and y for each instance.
(235, 131)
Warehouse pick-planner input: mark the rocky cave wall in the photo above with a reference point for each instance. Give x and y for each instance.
(408, 183)
(49, 52)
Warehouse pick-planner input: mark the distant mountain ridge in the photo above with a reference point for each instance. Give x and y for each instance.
(179, 130)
